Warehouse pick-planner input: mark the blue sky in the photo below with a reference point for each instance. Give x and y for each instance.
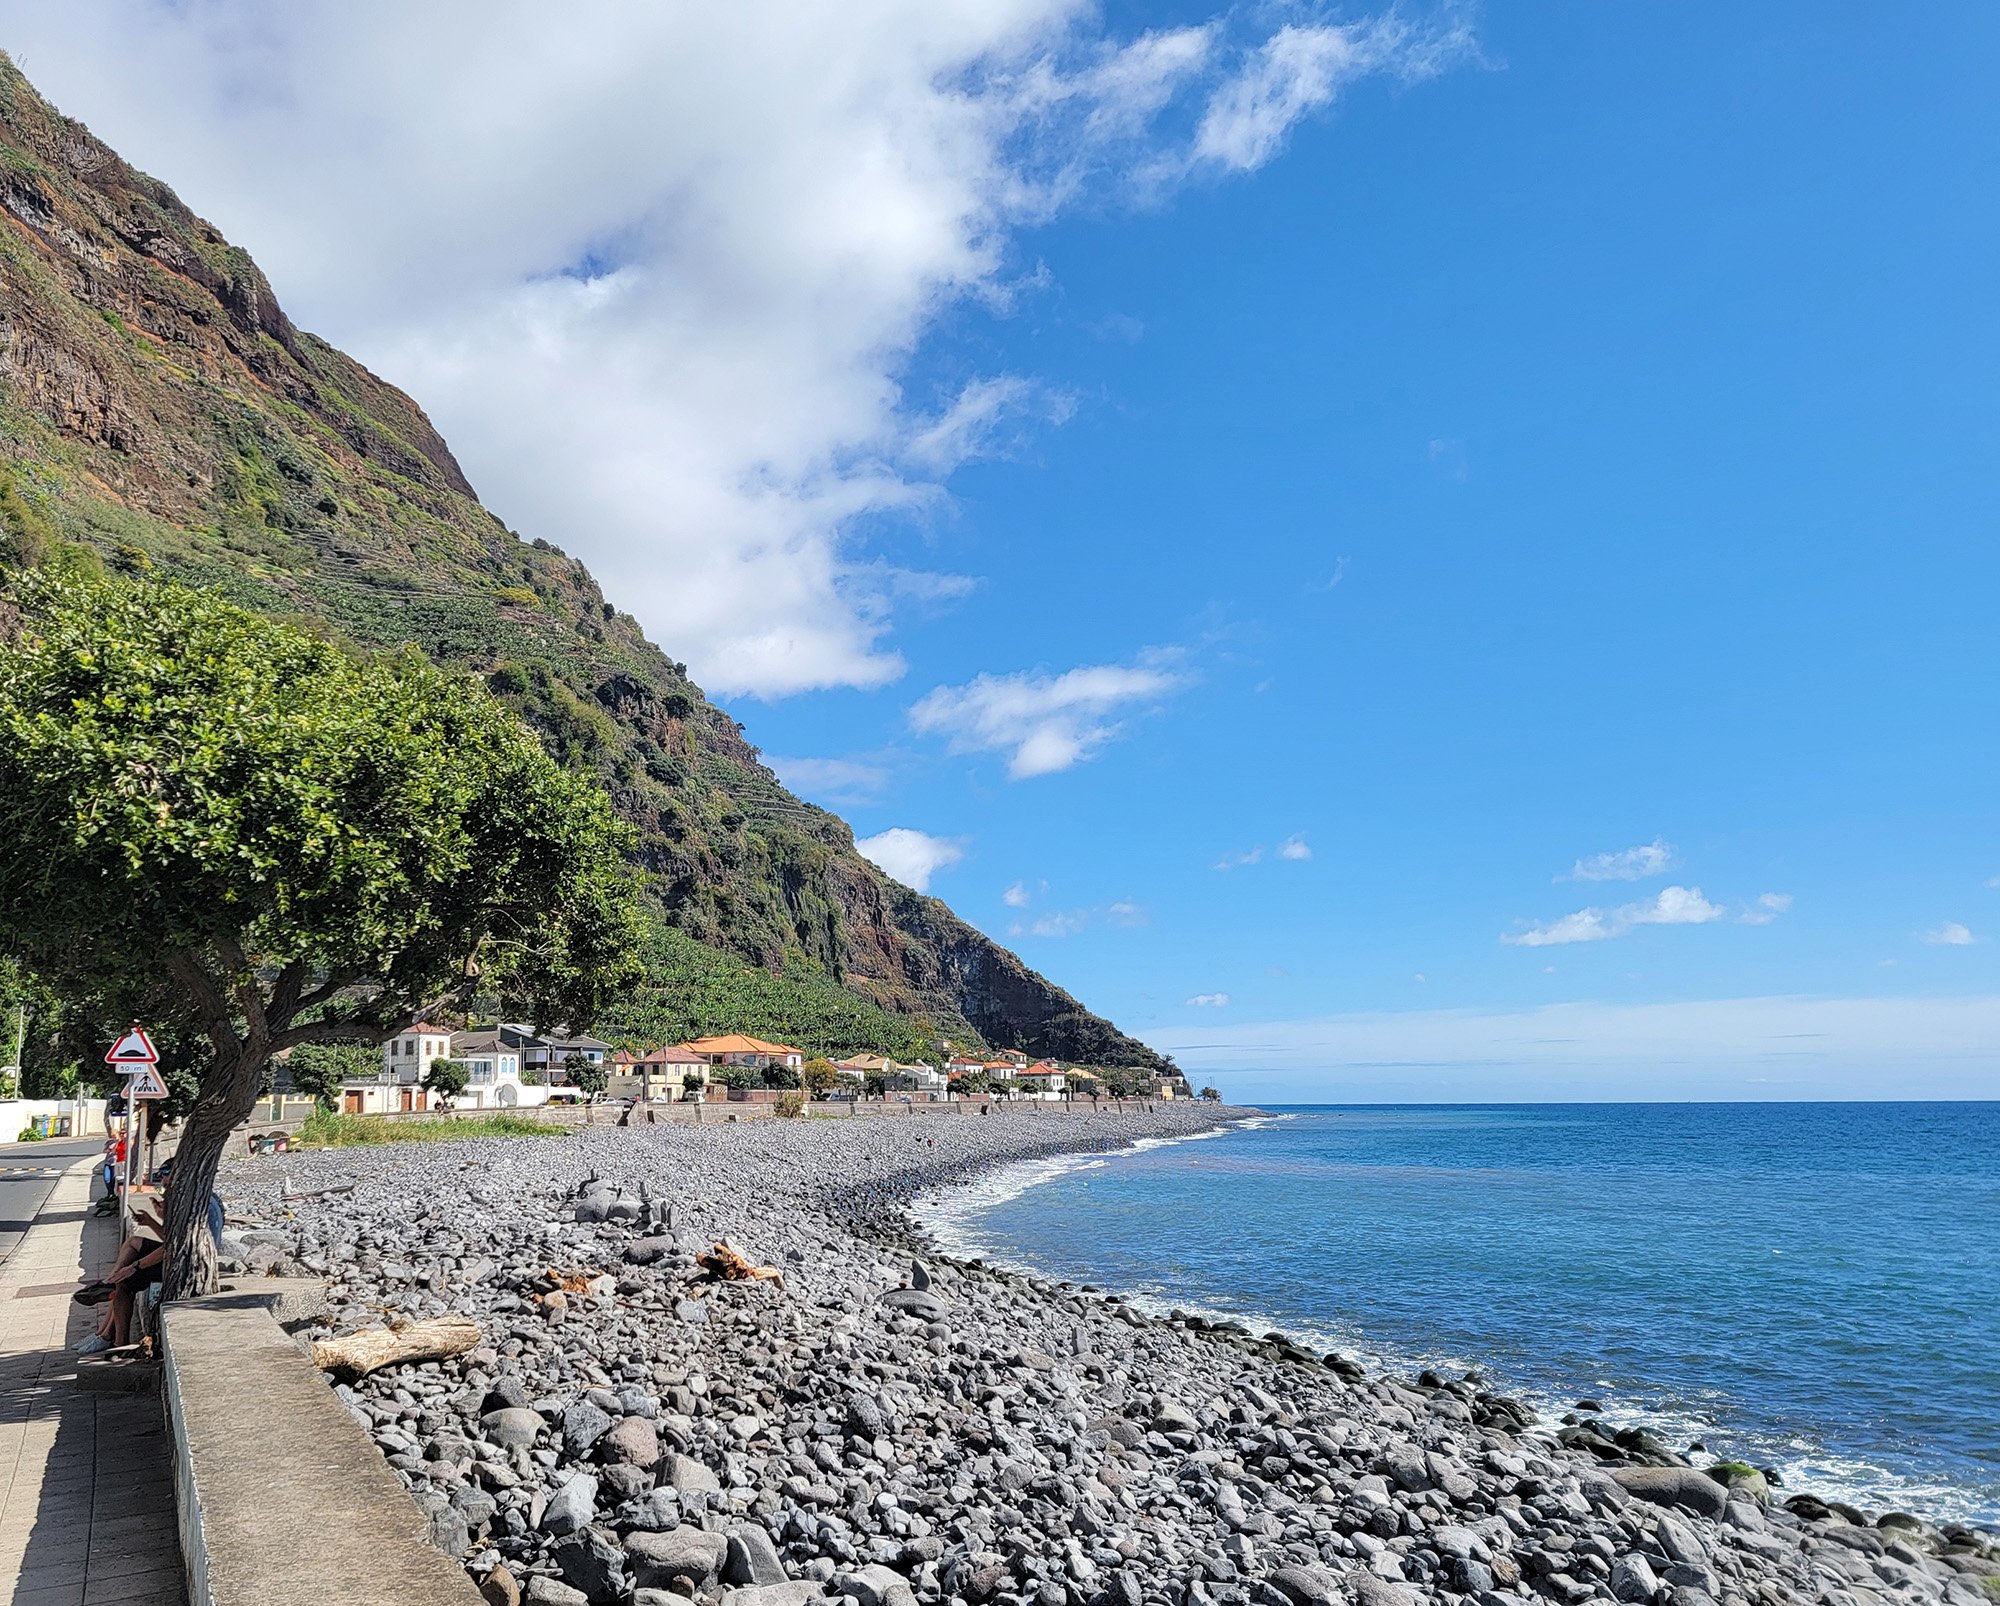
(1637, 388)
(1248, 503)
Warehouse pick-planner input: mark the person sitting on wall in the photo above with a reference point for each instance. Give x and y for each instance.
(139, 1266)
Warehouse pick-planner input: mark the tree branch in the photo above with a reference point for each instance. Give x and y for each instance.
(217, 1021)
(284, 1002)
(247, 993)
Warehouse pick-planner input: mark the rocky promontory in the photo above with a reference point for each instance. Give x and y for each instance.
(882, 1425)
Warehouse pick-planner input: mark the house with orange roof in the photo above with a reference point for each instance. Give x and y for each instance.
(662, 1075)
(734, 1048)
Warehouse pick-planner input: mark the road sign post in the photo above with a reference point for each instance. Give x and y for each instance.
(135, 1055)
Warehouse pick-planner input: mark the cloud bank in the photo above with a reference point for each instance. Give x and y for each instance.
(662, 273)
(1756, 1048)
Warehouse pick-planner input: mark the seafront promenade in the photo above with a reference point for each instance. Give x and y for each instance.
(87, 1517)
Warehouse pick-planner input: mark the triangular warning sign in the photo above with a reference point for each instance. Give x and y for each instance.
(144, 1081)
(134, 1048)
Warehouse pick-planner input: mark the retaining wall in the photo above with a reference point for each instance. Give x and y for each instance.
(282, 1499)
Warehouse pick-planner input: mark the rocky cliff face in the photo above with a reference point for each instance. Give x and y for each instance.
(158, 408)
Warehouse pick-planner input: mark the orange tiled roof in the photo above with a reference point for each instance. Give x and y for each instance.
(680, 1054)
(737, 1043)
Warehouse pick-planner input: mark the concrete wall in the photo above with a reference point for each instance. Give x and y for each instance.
(86, 1116)
(282, 1499)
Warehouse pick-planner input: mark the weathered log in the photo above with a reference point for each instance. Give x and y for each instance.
(730, 1264)
(373, 1348)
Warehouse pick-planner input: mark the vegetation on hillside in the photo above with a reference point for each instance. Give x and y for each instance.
(161, 416)
(688, 990)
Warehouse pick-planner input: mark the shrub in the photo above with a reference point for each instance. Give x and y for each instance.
(324, 1129)
(790, 1106)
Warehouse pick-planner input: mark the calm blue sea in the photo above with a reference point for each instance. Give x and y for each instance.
(1810, 1287)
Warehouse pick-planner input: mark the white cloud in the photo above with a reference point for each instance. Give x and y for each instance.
(831, 780)
(663, 274)
(1771, 1047)
(1951, 934)
(1060, 923)
(1293, 849)
(1044, 723)
(912, 857)
(1299, 70)
(978, 423)
(1068, 922)
(1673, 906)
(1017, 896)
(1628, 864)
(1768, 907)
(1208, 1000)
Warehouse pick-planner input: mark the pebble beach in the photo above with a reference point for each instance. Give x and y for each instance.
(883, 1424)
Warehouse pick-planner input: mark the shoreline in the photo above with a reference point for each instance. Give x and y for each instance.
(1550, 1398)
(1022, 1442)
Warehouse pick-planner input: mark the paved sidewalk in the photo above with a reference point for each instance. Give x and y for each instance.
(86, 1501)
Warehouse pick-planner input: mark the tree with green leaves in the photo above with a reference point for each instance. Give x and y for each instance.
(1212, 1094)
(216, 823)
(739, 1078)
(447, 1078)
(318, 1069)
(818, 1077)
(586, 1075)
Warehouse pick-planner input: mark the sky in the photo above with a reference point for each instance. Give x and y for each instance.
(1434, 553)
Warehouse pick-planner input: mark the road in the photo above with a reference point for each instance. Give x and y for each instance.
(28, 1173)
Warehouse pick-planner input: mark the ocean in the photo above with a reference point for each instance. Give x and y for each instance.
(1813, 1288)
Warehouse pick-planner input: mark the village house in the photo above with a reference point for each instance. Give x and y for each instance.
(926, 1079)
(544, 1056)
(406, 1061)
(660, 1077)
(736, 1049)
(507, 1066)
(1042, 1080)
(493, 1072)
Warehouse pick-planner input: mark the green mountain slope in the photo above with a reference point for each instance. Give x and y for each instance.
(159, 409)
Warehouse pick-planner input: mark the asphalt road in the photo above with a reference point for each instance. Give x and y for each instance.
(28, 1173)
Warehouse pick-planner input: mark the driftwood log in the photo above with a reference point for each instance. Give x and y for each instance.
(729, 1263)
(375, 1347)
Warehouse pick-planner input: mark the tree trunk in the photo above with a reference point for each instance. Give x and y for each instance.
(228, 1094)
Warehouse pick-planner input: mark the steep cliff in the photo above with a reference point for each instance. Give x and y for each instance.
(158, 408)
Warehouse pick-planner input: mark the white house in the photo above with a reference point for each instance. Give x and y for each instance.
(406, 1061)
(916, 1079)
(659, 1077)
(543, 1056)
(493, 1072)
